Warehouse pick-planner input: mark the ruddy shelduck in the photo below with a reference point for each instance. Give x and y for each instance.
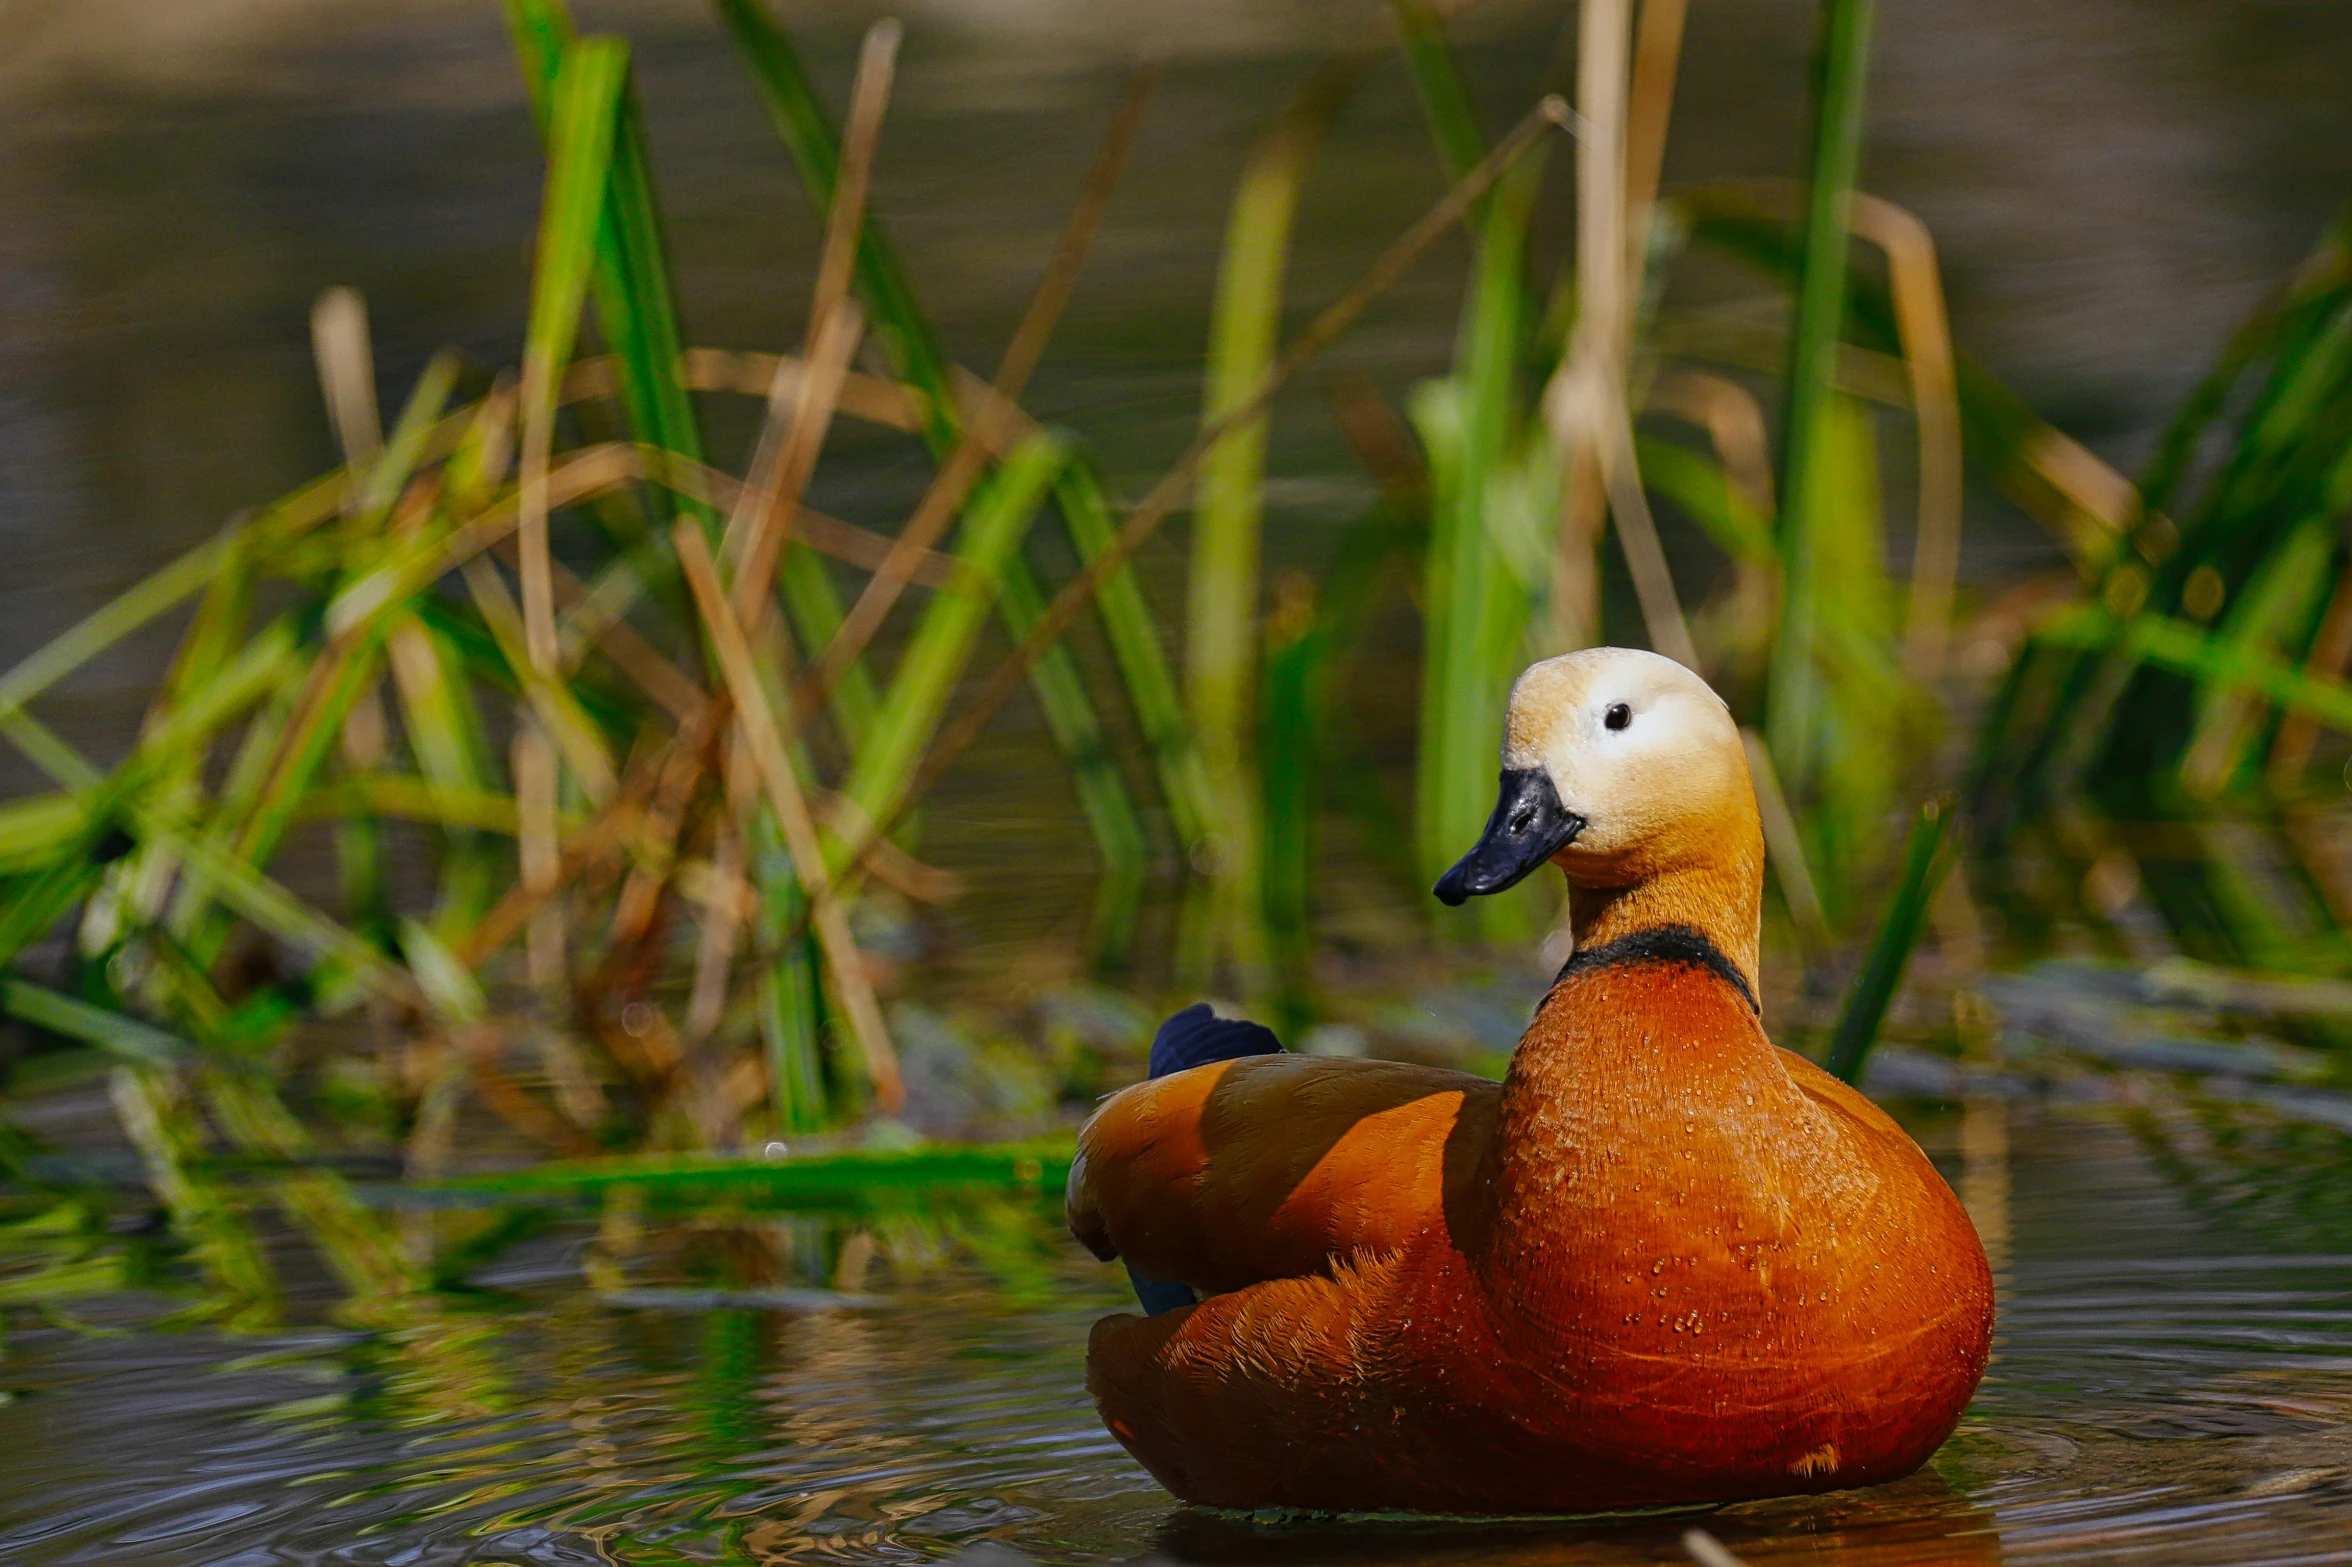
(1662, 1261)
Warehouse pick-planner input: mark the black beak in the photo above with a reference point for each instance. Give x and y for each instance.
(1528, 827)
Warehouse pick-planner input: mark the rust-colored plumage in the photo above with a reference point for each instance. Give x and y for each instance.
(1662, 1261)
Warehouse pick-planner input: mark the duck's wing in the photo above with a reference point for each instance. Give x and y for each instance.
(1276, 1166)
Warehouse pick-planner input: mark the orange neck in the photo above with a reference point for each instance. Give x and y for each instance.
(1722, 899)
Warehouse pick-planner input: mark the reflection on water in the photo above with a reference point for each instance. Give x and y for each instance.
(2173, 1384)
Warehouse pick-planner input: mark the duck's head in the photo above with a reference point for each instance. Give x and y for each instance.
(1621, 766)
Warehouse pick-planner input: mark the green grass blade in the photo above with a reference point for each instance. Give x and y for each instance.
(217, 628)
(212, 870)
(40, 830)
(912, 349)
(304, 749)
(451, 988)
(635, 302)
(158, 594)
(557, 703)
(2317, 289)
(1143, 663)
(1476, 608)
(2276, 613)
(1699, 489)
(1291, 742)
(277, 911)
(110, 1031)
(1445, 97)
(445, 735)
(813, 600)
(581, 134)
(1840, 71)
(177, 739)
(1924, 864)
(34, 904)
(934, 660)
(639, 313)
(2190, 650)
(791, 999)
(1102, 796)
(166, 767)
(405, 447)
(542, 32)
(1861, 707)
(1222, 609)
(855, 1179)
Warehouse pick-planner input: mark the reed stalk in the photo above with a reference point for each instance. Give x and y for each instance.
(1444, 96)
(934, 659)
(1102, 796)
(1649, 111)
(1926, 858)
(953, 482)
(1162, 500)
(582, 122)
(1841, 67)
(1223, 595)
(786, 799)
(806, 130)
(1784, 848)
(908, 341)
(1916, 284)
(1292, 729)
(634, 302)
(1477, 604)
(340, 345)
(1135, 646)
(2298, 734)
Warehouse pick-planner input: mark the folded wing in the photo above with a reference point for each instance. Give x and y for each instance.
(1277, 1166)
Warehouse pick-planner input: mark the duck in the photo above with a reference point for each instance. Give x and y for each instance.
(1663, 1261)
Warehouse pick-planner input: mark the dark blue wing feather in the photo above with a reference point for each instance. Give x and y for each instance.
(1196, 1036)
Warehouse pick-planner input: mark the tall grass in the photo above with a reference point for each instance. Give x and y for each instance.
(2164, 724)
(1229, 924)
(483, 660)
(1809, 443)
(616, 776)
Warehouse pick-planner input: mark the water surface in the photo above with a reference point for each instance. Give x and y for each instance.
(2172, 1383)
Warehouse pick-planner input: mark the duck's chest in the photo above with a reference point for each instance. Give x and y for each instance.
(1663, 1184)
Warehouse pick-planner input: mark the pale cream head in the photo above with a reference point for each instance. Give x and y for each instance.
(1644, 751)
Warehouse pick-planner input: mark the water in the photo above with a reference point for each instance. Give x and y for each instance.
(2112, 182)
(2172, 1384)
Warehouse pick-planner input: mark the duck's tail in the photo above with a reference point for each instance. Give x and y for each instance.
(1194, 1037)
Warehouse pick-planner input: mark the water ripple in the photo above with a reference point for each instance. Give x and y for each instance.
(2187, 1399)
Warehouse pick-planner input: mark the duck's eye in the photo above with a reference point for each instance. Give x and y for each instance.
(1618, 715)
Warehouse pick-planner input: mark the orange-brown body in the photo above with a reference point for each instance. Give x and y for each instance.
(1663, 1261)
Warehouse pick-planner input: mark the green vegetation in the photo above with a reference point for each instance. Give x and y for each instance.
(2162, 731)
(615, 776)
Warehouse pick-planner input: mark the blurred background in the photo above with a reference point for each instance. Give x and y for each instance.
(444, 993)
